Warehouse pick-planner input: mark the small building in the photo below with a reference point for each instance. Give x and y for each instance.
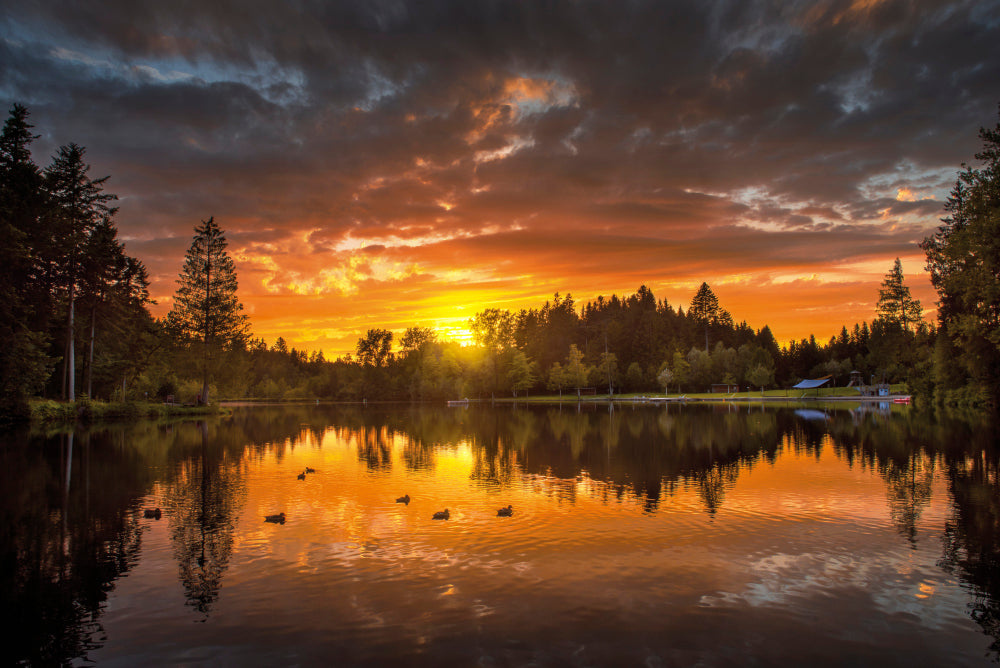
(727, 388)
(811, 384)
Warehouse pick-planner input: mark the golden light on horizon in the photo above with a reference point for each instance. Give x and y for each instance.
(457, 333)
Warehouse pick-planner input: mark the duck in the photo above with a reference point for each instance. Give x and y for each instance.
(442, 515)
(276, 519)
(506, 512)
(310, 470)
(302, 476)
(151, 513)
(404, 499)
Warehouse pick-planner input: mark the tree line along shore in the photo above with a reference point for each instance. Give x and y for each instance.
(74, 315)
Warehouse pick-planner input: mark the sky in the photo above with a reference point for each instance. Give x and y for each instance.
(390, 164)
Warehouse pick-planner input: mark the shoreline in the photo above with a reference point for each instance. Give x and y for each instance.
(899, 399)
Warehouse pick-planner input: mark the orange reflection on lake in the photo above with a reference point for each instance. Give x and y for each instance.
(672, 534)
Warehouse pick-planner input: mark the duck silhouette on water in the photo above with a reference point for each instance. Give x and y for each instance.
(275, 519)
(302, 476)
(506, 512)
(310, 470)
(441, 515)
(404, 499)
(151, 513)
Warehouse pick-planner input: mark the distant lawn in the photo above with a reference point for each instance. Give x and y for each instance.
(790, 394)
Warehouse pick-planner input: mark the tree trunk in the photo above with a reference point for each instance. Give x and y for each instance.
(90, 353)
(70, 350)
(204, 383)
(65, 369)
(208, 292)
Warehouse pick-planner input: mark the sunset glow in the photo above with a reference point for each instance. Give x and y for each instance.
(399, 167)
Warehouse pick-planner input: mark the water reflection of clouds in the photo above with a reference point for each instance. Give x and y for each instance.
(895, 583)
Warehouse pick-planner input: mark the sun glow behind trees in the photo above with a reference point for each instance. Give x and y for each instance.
(633, 342)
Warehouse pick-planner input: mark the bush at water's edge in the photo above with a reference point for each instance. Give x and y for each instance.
(87, 410)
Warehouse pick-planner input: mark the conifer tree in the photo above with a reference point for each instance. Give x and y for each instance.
(24, 366)
(206, 308)
(963, 257)
(77, 205)
(705, 310)
(895, 305)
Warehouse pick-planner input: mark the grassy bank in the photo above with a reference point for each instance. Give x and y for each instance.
(784, 395)
(86, 410)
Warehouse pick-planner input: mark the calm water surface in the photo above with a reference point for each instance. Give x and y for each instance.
(652, 536)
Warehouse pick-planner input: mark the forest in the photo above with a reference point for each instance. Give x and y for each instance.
(75, 319)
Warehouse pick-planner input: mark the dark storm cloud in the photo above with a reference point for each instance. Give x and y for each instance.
(460, 135)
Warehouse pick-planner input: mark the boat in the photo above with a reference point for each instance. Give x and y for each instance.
(902, 400)
(458, 402)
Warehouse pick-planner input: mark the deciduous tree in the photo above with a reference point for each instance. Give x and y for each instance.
(493, 329)
(375, 349)
(576, 371)
(523, 372)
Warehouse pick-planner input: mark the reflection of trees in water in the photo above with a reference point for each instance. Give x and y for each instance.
(203, 500)
(494, 444)
(908, 488)
(63, 544)
(649, 454)
(712, 484)
(373, 448)
(68, 530)
(972, 533)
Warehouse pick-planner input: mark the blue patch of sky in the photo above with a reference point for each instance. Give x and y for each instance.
(275, 82)
(921, 182)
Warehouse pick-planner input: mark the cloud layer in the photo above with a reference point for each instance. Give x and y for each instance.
(385, 164)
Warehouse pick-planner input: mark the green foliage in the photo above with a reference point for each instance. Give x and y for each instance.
(206, 308)
(87, 410)
(576, 372)
(557, 378)
(415, 338)
(62, 268)
(665, 377)
(760, 376)
(523, 372)
(607, 371)
(375, 349)
(706, 311)
(634, 377)
(63, 276)
(681, 369)
(700, 372)
(895, 305)
(493, 329)
(963, 257)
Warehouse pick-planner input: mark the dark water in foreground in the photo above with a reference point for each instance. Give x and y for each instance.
(648, 536)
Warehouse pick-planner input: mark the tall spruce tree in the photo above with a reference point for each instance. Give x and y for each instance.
(77, 204)
(206, 308)
(705, 310)
(24, 365)
(895, 305)
(963, 257)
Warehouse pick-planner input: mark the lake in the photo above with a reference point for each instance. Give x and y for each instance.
(716, 535)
